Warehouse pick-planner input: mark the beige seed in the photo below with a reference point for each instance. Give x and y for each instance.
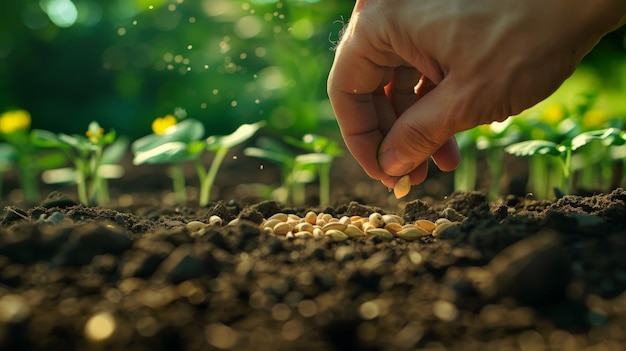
(271, 223)
(234, 222)
(215, 220)
(345, 220)
(412, 233)
(327, 217)
(282, 228)
(380, 232)
(367, 226)
(443, 227)
(318, 233)
(393, 227)
(280, 216)
(336, 235)
(425, 224)
(353, 231)
(442, 220)
(303, 234)
(376, 219)
(334, 225)
(304, 226)
(293, 217)
(310, 217)
(194, 226)
(391, 218)
(402, 187)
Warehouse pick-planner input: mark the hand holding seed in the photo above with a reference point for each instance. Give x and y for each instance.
(407, 77)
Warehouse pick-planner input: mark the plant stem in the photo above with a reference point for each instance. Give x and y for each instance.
(177, 173)
(494, 163)
(567, 172)
(465, 174)
(324, 177)
(28, 179)
(81, 182)
(209, 179)
(539, 176)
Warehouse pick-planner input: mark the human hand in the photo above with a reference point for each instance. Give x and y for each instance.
(410, 74)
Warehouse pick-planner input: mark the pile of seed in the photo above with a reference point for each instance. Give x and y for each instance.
(323, 225)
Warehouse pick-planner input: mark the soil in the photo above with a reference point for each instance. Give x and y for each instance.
(517, 274)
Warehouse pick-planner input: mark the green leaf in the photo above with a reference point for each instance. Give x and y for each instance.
(314, 158)
(187, 131)
(78, 142)
(46, 139)
(533, 147)
(609, 136)
(243, 133)
(114, 152)
(50, 160)
(317, 144)
(167, 153)
(269, 155)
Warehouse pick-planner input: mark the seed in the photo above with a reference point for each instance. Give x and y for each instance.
(367, 226)
(280, 216)
(402, 187)
(391, 218)
(215, 220)
(234, 222)
(345, 220)
(194, 226)
(393, 227)
(304, 226)
(380, 232)
(310, 217)
(443, 227)
(293, 217)
(442, 220)
(271, 223)
(334, 225)
(336, 235)
(376, 219)
(425, 224)
(282, 228)
(412, 233)
(353, 231)
(303, 234)
(318, 233)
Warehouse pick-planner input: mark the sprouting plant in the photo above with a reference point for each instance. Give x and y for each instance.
(274, 151)
(564, 150)
(93, 157)
(18, 151)
(171, 143)
(174, 143)
(324, 150)
(298, 170)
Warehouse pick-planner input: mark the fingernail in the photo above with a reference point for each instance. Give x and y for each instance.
(395, 163)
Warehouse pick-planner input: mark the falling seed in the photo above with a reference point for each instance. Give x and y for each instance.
(402, 187)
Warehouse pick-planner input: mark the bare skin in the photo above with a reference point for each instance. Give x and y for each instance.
(409, 74)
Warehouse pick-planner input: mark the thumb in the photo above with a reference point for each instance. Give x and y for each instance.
(426, 129)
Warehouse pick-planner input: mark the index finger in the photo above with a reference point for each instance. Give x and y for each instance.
(353, 83)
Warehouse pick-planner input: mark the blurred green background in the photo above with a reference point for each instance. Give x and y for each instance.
(226, 62)
(126, 62)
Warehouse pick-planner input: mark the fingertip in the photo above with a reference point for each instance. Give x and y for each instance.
(448, 157)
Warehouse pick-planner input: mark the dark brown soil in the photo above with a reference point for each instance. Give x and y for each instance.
(518, 274)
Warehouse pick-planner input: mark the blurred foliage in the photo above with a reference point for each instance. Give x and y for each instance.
(226, 62)
(125, 62)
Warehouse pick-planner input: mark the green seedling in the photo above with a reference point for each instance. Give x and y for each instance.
(175, 143)
(172, 144)
(324, 150)
(93, 157)
(564, 150)
(18, 152)
(272, 150)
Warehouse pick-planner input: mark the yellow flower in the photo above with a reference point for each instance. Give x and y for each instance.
(553, 114)
(161, 124)
(13, 121)
(595, 119)
(94, 136)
